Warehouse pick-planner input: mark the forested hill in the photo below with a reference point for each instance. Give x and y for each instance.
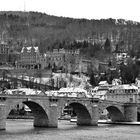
(48, 29)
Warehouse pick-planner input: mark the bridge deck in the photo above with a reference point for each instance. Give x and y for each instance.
(44, 97)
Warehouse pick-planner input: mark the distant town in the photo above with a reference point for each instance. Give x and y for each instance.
(65, 72)
(102, 66)
(69, 78)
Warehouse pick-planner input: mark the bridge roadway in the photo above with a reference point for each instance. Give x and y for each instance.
(47, 109)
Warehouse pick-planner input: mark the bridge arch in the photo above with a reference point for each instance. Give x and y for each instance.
(82, 113)
(115, 114)
(138, 116)
(39, 112)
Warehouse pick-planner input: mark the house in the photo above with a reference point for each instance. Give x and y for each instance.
(4, 52)
(123, 93)
(100, 92)
(29, 58)
(120, 54)
(62, 59)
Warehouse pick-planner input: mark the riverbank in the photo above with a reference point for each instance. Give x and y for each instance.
(118, 123)
(110, 122)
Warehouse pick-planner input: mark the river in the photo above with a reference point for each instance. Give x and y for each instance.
(24, 130)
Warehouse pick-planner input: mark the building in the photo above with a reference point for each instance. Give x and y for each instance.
(85, 65)
(101, 90)
(58, 59)
(29, 58)
(138, 83)
(118, 93)
(62, 59)
(4, 52)
(123, 93)
(120, 54)
(14, 56)
(55, 58)
(43, 61)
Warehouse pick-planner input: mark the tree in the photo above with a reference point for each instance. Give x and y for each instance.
(138, 52)
(92, 79)
(107, 46)
(54, 67)
(5, 74)
(71, 78)
(38, 74)
(129, 73)
(133, 53)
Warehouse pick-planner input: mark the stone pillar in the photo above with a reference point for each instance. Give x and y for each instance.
(95, 115)
(53, 116)
(83, 121)
(40, 121)
(89, 121)
(2, 117)
(130, 112)
(51, 120)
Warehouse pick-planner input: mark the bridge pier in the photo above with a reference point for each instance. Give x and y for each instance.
(92, 120)
(53, 116)
(130, 112)
(2, 117)
(95, 115)
(43, 121)
(40, 121)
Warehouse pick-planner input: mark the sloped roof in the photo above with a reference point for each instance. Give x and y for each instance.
(103, 83)
(71, 89)
(29, 49)
(124, 86)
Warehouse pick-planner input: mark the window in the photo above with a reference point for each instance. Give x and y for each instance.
(131, 99)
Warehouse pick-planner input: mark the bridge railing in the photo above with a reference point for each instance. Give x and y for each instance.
(26, 91)
(44, 96)
(51, 98)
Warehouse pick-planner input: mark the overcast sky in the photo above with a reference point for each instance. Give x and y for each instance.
(91, 9)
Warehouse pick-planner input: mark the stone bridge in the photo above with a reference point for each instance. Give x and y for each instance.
(47, 109)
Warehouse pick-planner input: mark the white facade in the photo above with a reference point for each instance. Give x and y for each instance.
(123, 93)
(119, 93)
(138, 84)
(100, 92)
(121, 56)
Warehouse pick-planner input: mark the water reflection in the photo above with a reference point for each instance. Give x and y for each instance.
(24, 130)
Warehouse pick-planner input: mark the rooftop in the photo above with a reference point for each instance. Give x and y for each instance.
(30, 48)
(125, 86)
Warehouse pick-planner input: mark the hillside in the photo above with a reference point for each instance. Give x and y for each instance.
(47, 29)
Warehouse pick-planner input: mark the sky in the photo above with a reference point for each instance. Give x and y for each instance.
(90, 9)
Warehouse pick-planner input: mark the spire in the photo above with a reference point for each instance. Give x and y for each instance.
(24, 5)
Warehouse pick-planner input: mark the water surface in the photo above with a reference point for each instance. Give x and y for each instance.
(24, 130)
